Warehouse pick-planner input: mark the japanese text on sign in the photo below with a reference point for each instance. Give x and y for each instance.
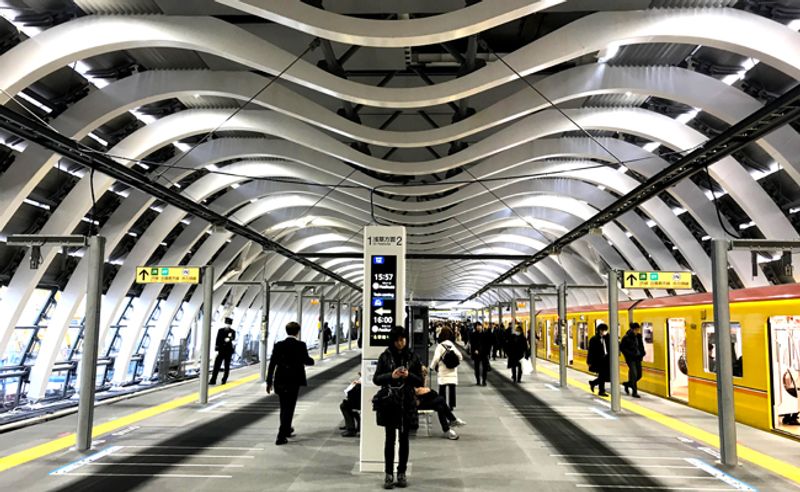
(657, 280)
(167, 275)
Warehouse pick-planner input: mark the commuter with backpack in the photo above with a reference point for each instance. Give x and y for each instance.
(446, 359)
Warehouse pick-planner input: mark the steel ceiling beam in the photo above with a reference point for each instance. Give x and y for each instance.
(40, 134)
(419, 256)
(772, 116)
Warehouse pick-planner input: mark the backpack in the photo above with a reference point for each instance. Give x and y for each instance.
(450, 358)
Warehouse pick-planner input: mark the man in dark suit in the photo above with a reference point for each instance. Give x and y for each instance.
(287, 371)
(224, 347)
(599, 359)
(481, 343)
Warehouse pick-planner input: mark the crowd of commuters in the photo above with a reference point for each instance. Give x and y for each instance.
(404, 381)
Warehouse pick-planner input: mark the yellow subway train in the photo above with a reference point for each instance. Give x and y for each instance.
(679, 338)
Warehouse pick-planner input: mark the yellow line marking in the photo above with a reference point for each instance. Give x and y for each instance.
(62, 443)
(765, 461)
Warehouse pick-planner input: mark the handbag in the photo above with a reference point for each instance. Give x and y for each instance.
(527, 366)
(387, 399)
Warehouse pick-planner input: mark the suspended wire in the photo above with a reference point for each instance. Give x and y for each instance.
(716, 206)
(550, 102)
(238, 110)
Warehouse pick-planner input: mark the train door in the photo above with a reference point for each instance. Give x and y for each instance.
(548, 334)
(678, 367)
(785, 371)
(570, 341)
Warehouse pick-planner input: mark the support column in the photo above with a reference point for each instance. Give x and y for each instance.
(91, 334)
(350, 329)
(262, 356)
(613, 330)
(532, 330)
(205, 344)
(724, 356)
(489, 309)
(338, 322)
(321, 326)
(562, 332)
(300, 310)
(513, 308)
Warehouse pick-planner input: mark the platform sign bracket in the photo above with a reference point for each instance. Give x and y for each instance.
(167, 275)
(656, 280)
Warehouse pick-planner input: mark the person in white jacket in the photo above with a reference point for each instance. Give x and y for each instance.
(448, 377)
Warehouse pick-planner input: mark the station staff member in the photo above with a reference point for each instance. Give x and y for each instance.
(287, 371)
(224, 347)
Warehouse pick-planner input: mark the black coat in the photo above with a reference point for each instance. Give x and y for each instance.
(225, 338)
(406, 415)
(598, 358)
(516, 349)
(287, 364)
(481, 342)
(632, 347)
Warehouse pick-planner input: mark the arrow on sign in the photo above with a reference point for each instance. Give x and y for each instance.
(631, 279)
(144, 275)
(382, 311)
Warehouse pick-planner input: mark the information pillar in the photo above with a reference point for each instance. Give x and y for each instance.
(384, 308)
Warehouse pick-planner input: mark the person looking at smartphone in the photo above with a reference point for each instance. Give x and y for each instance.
(400, 370)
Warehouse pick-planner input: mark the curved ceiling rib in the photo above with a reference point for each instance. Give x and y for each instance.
(391, 33)
(772, 43)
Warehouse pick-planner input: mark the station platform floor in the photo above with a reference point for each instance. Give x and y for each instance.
(517, 436)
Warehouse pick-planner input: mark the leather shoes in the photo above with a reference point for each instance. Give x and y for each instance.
(281, 441)
(602, 394)
(591, 385)
(349, 433)
(627, 388)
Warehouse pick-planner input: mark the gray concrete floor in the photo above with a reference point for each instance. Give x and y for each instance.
(530, 436)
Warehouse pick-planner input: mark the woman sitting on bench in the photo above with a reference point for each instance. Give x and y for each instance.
(427, 399)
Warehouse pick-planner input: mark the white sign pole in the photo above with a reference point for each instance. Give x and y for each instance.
(384, 308)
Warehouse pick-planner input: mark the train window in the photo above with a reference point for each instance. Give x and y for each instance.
(583, 336)
(785, 344)
(647, 336)
(709, 361)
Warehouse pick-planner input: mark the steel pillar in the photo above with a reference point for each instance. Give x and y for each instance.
(613, 329)
(321, 326)
(562, 328)
(205, 341)
(91, 334)
(724, 356)
(532, 328)
(264, 334)
(338, 323)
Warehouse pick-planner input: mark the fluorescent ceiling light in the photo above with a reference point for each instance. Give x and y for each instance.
(34, 102)
(43, 206)
(651, 223)
(212, 167)
(747, 225)
(688, 116)
(97, 139)
(651, 146)
(183, 147)
(608, 53)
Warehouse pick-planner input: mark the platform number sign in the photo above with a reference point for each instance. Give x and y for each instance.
(383, 299)
(657, 280)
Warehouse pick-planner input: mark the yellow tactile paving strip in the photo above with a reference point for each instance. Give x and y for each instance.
(765, 461)
(62, 443)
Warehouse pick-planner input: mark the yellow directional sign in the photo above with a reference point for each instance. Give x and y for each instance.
(167, 275)
(657, 280)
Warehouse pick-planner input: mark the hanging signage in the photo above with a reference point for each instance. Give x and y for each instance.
(167, 275)
(657, 280)
(383, 299)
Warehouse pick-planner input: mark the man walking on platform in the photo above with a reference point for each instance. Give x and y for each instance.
(287, 371)
(224, 347)
(632, 347)
(599, 359)
(481, 345)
